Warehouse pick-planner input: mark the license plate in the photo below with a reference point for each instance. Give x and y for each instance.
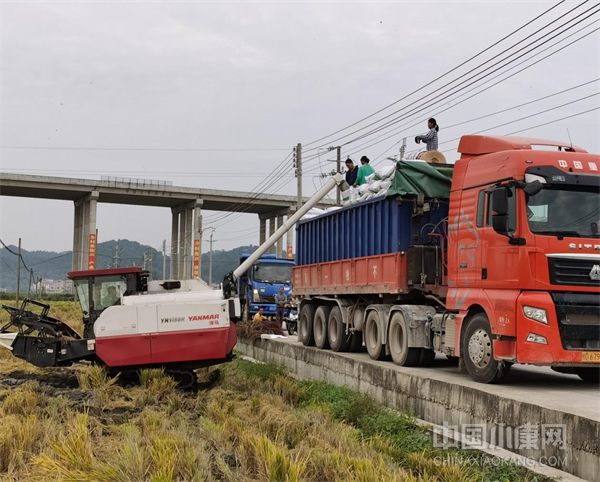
(590, 356)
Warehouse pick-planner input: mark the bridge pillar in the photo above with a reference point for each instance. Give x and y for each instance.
(186, 228)
(262, 230)
(175, 212)
(272, 232)
(84, 224)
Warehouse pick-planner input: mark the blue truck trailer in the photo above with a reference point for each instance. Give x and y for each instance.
(258, 286)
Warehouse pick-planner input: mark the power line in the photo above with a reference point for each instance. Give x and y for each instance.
(482, 75)
(532, 127)
(159, 149)
(401, 130)
(528, 116)
(439, 77)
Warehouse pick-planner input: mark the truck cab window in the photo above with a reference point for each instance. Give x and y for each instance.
(481, 208)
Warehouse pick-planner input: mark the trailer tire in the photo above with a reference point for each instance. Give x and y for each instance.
(336, 331)
(398, 342)
(320, 326)
(373, 336)
(305, 325)
(477, 351)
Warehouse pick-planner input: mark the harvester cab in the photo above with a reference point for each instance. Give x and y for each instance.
(99, 289)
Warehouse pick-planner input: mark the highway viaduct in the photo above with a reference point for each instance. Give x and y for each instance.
(186, 204)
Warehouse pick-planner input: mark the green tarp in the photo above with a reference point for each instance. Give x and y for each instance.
(418, 177)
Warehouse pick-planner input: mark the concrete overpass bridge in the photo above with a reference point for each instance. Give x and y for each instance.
(186, 204)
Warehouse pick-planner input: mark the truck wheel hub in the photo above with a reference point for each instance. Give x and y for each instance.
(480, 348)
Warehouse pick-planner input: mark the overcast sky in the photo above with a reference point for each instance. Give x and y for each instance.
(248, 75)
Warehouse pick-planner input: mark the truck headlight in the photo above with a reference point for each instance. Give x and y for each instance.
(255, 296)
(535, 314)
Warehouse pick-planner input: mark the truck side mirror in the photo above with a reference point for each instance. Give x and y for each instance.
(533, 187)
(499, 206)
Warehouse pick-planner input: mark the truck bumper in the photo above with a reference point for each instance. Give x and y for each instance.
(555, 342)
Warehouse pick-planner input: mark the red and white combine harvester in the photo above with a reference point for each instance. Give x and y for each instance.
(132, 323)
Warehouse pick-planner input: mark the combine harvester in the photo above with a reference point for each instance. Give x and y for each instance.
(130, 323)
(492, 261)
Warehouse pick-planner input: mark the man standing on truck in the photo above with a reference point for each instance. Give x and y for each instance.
(351, 172)
(363, 171)
(282, 302)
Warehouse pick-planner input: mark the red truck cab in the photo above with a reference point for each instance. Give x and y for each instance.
(524, 256)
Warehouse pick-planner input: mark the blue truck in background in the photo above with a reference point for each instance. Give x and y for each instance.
(259, 285)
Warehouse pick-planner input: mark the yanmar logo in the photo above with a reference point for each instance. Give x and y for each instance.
(595, 247)
(203, 317)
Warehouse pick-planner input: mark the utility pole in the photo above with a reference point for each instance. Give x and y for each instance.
(116, 256)
(148, 258)
(338, 192)
(19, 271)
(164, 250)
(210, 256)
(298, 166)
(30, 278)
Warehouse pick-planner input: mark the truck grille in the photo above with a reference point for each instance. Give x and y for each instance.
(267, 299)
(578, 320)
(570, 271)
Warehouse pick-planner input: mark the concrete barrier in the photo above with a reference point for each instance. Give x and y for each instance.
(441, 397)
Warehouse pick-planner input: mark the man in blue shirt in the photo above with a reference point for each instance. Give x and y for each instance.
(351, 172)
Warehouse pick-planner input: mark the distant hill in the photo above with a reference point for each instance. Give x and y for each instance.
(55, 265)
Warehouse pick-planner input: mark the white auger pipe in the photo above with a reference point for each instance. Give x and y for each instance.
(333, 181)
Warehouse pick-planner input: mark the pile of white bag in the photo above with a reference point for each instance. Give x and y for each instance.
(377, 185)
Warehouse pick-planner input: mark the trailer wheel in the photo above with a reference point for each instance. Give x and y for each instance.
(373, 337)
(588, 374)
(398, 342)
(305, 325)
(320, 326)
(477, 351)
(336, 331)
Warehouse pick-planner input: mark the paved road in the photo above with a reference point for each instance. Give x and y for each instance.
(526, 383)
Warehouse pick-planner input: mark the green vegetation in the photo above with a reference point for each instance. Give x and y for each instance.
(54, 265)
(254, 423)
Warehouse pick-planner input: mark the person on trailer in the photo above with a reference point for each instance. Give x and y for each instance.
(431, 155)
(431, 138)
(351, 172)
(260, 315)
(363, 171)
(282, 303)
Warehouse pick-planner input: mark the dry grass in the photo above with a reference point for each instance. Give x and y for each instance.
(257, 424)
(251, 330)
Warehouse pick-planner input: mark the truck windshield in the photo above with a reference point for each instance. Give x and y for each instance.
(273, 273)
(564, 211)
